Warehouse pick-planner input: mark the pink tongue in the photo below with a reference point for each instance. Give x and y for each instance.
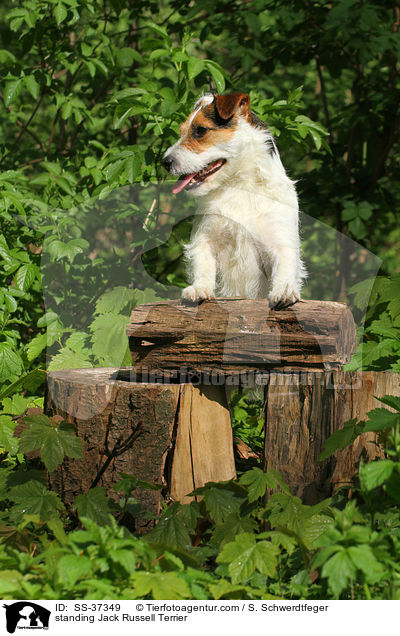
(182, 182)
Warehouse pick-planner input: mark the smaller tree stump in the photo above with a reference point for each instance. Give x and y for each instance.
(175, 435)
(303, 409)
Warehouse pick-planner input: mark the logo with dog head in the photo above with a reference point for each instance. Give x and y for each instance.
(26, 615)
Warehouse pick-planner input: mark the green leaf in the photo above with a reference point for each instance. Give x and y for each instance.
(375, 474)
(109, 340)
(365, 560)
(349, 211)
(94, 505)
(114, 170)
(68, 359)
(77, 341)
(32, 86)
(362, 292)
(195, 66)
(16, 405)
(171, 532)
(72, 567)
(390, 400)
(10, 362)
(125, 57)
(35, 347)
(357, 227)
(116, 299)
(33, 498)
(25, 276)
(54, 442)
(220, 503)
(60, 13)
(30, 381)
(217, 76)
(245, 556)
(232, 526)
(10, 583)
(380, 419)
(313, 528)
(12, 90)
(306, 523)
(7, 439)
(10, 302)
(257, 481)
(341, 439)
(160, 585)
(339, 569)
(59, 249)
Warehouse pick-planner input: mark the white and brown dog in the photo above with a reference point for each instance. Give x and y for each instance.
(246, 242)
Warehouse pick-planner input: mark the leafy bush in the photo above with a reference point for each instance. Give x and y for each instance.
(233, 541)
(93, 93)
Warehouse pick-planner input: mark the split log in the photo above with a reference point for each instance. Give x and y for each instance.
(303, 409)
(231, 336)
(175, 435)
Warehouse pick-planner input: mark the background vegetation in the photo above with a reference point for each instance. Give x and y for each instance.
(92, 93)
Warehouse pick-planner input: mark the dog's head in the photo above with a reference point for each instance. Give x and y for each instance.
(208, 142)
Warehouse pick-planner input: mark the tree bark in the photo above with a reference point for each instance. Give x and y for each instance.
(233, 336)
(175, 435)
(303, 409)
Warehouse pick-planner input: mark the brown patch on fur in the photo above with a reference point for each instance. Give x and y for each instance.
(215, 134)
(228, 105)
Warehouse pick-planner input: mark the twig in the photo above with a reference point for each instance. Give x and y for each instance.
(120, 447)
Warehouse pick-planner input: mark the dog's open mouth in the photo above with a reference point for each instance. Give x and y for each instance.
(190, 181)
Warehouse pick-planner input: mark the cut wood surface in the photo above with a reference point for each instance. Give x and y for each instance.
(178, 436)
(204, 444)
(236, 335)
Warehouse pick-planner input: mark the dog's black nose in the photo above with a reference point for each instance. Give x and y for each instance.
(167, 163)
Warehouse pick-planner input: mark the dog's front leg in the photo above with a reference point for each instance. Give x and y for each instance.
(286, 277)
(202, 270)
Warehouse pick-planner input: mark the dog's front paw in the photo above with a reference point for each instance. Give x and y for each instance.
(280, 298)
(195, 294)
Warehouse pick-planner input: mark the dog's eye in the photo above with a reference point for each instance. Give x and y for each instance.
(199, 132)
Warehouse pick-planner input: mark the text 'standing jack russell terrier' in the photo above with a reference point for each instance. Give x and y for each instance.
(246, 242)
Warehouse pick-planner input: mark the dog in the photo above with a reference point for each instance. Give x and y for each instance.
(246, 242)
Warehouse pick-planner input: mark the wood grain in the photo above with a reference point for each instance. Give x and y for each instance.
(303, 409)
(182, 434)
(204, 444)
(235, 335)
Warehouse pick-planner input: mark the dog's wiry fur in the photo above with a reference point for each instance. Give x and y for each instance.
(246, 242)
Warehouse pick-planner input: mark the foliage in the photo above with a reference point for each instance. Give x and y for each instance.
(93, 92)
(234, 540)
(93, 95)
(380, 348)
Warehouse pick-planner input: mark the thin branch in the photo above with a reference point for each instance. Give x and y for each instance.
(33, 135)
(323, 96)
(35, 110)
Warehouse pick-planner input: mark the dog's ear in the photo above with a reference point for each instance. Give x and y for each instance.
(227, 105)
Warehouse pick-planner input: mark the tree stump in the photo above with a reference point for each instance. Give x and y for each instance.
(175, 435)
(166, 419)
(303, 409)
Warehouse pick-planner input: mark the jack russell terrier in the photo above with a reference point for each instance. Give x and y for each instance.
(246, 242)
